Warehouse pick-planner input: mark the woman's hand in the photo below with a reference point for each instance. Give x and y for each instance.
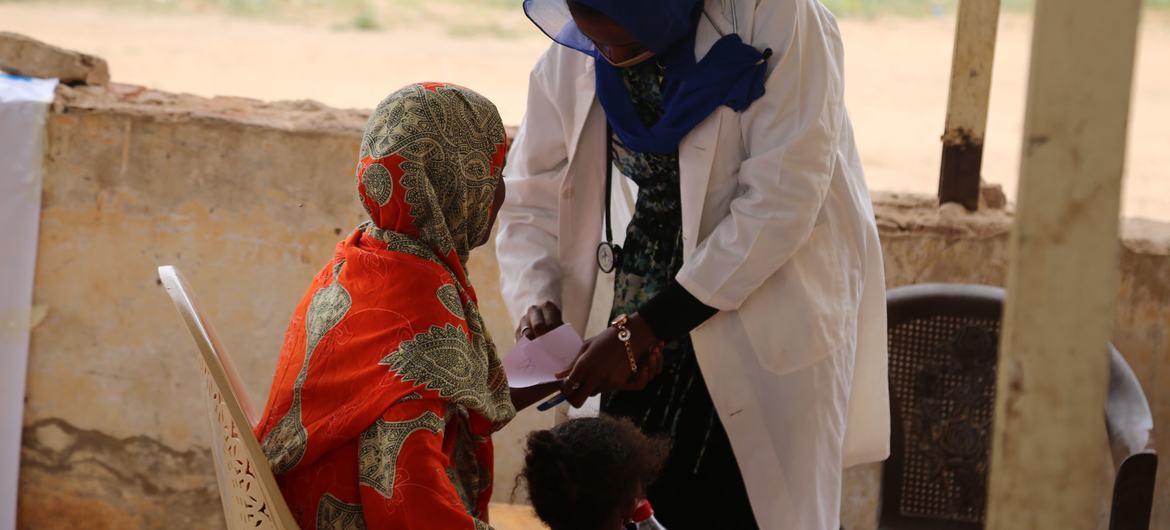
(603, 366)
(539, 319)
(648, 368)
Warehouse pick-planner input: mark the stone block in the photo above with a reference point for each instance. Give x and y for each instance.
(22, 55)
(992, 196)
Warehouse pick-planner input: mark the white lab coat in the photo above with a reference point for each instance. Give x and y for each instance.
(778, 234)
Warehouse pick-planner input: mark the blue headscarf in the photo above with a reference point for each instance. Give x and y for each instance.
(732, 73)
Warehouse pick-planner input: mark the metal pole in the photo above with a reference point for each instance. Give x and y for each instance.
(971, 65)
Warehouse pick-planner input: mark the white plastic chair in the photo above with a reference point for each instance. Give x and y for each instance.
(250, 495)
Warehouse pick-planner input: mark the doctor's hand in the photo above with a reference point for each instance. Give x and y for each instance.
(603, 366)
(539, 319)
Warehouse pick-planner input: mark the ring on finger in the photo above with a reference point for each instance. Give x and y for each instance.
(524, 330)
(575, 386)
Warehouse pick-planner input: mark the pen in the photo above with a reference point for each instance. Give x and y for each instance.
(556, 400)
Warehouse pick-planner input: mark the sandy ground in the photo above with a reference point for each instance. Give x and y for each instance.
(897, 71)
(509, 517)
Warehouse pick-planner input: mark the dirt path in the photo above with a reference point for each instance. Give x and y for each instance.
(897, 72)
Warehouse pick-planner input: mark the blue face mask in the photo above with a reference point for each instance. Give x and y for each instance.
(732, 73)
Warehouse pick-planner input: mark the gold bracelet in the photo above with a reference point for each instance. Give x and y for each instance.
(624, 335)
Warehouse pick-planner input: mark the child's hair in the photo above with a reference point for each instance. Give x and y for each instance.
(582, 473)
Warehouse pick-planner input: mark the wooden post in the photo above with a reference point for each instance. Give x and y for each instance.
(1049, 439)
(962, 153)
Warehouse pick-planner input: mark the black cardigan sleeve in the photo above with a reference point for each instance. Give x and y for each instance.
(674, 312)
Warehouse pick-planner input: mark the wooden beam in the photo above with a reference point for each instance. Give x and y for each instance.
(1049, 440)
(971, 65)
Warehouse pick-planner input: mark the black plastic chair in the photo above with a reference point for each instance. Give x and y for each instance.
(944, 348)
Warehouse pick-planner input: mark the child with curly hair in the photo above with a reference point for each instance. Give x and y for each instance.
(592, 473)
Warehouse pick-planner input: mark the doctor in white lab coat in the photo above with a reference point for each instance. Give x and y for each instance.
(777, 229)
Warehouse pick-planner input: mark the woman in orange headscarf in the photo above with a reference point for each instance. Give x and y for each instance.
(388, 386)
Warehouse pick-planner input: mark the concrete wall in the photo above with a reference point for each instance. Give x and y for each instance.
(248, 199)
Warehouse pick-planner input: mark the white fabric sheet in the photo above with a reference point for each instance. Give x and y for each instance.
(23, 107)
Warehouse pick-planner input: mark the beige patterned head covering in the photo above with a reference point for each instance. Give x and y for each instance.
(430, 161)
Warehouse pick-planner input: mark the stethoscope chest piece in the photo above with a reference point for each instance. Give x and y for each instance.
(608, 256)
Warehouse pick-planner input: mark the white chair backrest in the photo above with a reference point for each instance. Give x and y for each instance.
(250, 495)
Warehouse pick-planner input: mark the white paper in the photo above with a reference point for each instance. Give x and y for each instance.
(534, 362)
(23, 105)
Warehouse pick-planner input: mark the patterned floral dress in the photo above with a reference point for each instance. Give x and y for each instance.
(701, 486)
(388, 387)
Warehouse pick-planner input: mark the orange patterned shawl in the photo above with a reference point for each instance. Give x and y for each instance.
(388, 386)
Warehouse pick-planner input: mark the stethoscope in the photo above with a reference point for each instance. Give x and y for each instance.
(609, 254)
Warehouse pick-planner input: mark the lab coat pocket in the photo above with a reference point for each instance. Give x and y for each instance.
(795, 318)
